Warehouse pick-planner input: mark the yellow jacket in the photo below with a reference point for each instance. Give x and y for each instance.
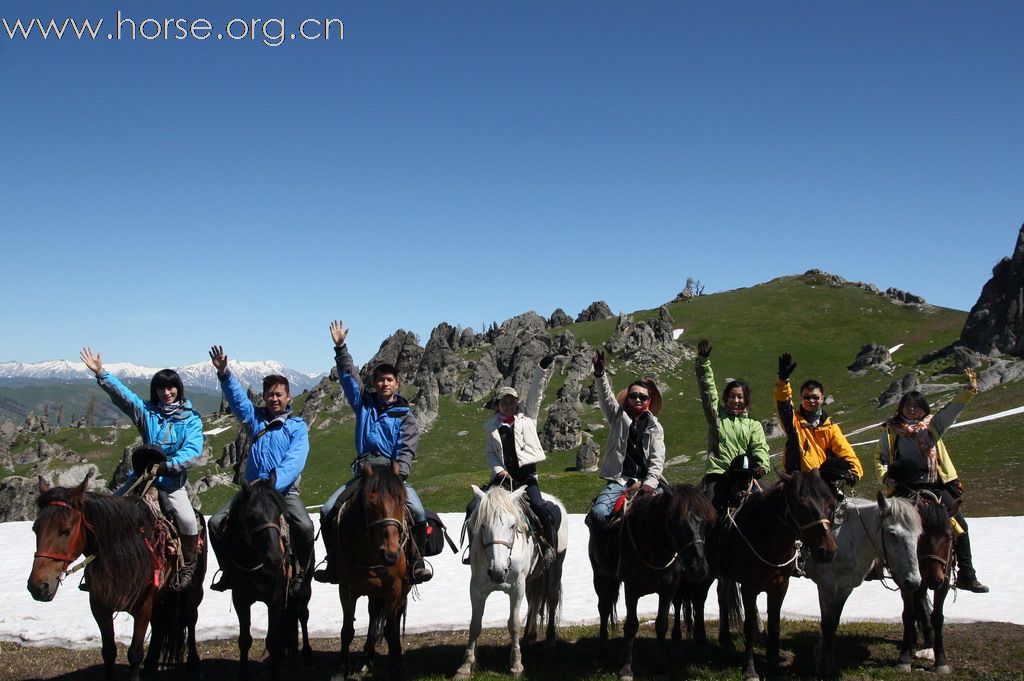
(815, 440)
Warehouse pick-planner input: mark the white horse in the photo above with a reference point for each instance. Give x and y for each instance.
(884, 533)
(505, 557)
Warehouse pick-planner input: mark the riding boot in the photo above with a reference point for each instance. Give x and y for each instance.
(329, 573)
(966, 578)
(547, 521)
(189, 549)
(421, 571)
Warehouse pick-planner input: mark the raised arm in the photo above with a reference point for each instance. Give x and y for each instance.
(348, 375)
(605, 394)
(948, 415)
(706, 382)
(123, 398)
(787, 417)
(238, 400)
(535, 393)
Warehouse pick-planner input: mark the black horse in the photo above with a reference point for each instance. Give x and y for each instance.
(257, 539)
(130, 571)
(657, 545)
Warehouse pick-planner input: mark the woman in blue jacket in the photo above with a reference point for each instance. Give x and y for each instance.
(169, 422)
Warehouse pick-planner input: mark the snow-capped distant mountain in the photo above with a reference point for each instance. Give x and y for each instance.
(201, 375)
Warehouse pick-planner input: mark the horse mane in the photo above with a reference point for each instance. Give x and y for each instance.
(903, 511)
(259, 491)
(384, 483)
(935, 519)
(497, 503)
(686, 499)
(811, 486)
(121, 526)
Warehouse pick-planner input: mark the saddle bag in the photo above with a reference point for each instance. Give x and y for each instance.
(437, 534)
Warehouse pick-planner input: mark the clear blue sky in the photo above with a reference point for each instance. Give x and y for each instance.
(469, 161)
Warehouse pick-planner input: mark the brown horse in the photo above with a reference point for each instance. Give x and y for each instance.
(128, 572)
(936, 558)
(372, 536)
(758, 546)
(658, 545)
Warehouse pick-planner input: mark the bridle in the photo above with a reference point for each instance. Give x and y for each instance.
(696, 541)
(250, 532)
(82, 525)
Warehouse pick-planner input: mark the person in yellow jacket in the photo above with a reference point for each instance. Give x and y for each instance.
(813, 440)
(911, 456)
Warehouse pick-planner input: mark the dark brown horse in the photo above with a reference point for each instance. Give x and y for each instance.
(936, 558)
(372, 536)
(758, 546)
(128, 572)
(658, 544)
(257, 540)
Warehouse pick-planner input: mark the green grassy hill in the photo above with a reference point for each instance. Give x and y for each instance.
(822, 326)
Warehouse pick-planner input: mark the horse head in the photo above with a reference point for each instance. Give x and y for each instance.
(690, 518)
(809, 505)
(496, 524)
(259, 521)
(383, 503)
(60, 528)
(899, 530)
(935, 547)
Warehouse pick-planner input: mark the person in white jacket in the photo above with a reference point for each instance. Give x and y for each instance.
(635, 453)
(514, 450)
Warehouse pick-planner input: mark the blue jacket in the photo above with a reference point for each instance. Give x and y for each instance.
(280, 444)
(389, 430)
(180, 437)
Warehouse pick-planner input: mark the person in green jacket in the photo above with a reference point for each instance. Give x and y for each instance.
(732, 432)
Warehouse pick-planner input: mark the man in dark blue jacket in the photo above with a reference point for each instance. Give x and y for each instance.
(279, 442)
(386, 431)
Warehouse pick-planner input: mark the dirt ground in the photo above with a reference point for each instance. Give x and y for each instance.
(978, 652)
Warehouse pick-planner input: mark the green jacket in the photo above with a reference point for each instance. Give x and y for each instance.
(728, 436)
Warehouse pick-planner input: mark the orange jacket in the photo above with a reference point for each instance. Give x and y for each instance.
(815, 440)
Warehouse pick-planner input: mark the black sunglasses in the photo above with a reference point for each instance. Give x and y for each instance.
(638, 396)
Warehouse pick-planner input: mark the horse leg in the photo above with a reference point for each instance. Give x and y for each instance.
(244, 637)
(378, 620)
(105, 621)
(478, 598)
(909, 629)
(629, 629)
(677, 607)
(192, 603)
(515, 598)
(831, 603)
(695, 610)
(775, 598)
(923, 613)
(307, 650)
(726, 593)
(553, 593)
(140, 626)
(607, 589)
(275, 647)
(393, 635)
(661, 629)
(941, 664)
(749, 631)
(348, 631)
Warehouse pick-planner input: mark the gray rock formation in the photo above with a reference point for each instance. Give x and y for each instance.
(896, 389)
(646, 345)
(872, 355)
(559, 318)
(1000, 371)
(595, 311)
(402, 349)
(18, 494)
(563, 429)
(995, 325)
(589, 455)
(904, 297)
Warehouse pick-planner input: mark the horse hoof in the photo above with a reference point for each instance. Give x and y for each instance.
(943, 669)
(903, 666)
(751, 675)
(625, 677)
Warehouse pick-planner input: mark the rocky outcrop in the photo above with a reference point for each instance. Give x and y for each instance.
(1000, 371)
(18, 494)
(559, 318)
(402, 348)
(648, 345)
(563, 429)
(872, 355)
(816, 277)
(595, 311)
(897, 389)
(995, 325)
(588, 455)
(904, 297)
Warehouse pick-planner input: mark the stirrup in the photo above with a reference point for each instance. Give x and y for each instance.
(422, 572)
(325, 576)
(222, 584)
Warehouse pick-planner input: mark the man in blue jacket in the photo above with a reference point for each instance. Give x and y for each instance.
(386, 431)
(280, 442)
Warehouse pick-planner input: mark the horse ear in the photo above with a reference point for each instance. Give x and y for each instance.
(396, 470)
(80, 490)
(477, 492)
(367, 470)
(883, 503)
(518, 494)
(273, 478)
(783, 475)
(44, 485)
(955, 507)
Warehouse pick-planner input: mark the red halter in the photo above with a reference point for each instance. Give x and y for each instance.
(80, 523)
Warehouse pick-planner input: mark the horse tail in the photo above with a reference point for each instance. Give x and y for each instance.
(169, 625)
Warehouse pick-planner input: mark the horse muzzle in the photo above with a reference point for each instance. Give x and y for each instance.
(43, 590)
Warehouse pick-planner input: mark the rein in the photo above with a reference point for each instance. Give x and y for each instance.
(67, 558)
(248, 540)
(403, 534)
(884, 552)
(636, 549)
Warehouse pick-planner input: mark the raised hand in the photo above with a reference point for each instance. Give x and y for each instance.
(786, 366)
(93, 362)
(219, 359)
(599, 363)
(972, 379)
(338, 332)
(704, 348)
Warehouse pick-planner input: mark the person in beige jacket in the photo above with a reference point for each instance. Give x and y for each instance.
(635, 452)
